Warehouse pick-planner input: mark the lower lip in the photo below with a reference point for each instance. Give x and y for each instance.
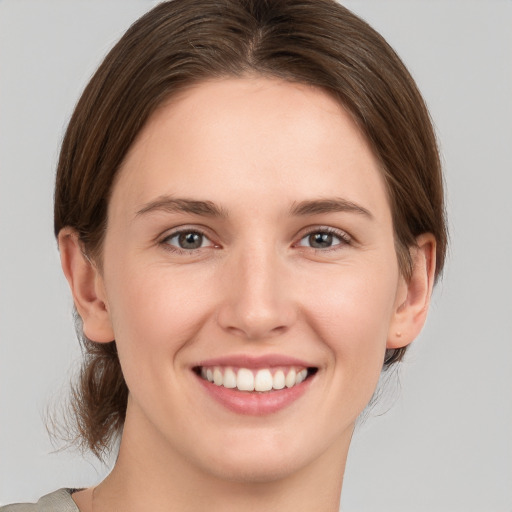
(255, 403)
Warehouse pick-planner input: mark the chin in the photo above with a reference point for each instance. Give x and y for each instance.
(269, 457)
(257, 469)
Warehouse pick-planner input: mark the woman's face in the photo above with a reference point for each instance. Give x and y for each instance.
(249, 238)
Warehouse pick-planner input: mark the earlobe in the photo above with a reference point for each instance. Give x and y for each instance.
(413, 298)
(87, 287)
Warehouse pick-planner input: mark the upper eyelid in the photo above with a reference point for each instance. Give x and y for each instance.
(344, 235)
(169, 233)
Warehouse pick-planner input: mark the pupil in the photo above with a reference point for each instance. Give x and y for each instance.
(320, 240)
(190, 240)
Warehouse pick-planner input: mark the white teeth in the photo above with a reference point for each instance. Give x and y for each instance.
(252, 380)
(278, 382)
(217, 377)
(245, 380)
(263, 380)
(229, 378)
(290, 378)
(301, 376)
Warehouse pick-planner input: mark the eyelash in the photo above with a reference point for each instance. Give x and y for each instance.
(344, 238)
(179, 250)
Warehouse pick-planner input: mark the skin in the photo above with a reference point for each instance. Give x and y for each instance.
(255, 147)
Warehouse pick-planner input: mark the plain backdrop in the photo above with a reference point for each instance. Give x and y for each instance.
(446, 443)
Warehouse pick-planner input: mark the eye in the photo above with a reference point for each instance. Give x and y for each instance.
(188, 240)
(324, 239)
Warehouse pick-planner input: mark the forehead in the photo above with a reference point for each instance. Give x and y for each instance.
(252, 136)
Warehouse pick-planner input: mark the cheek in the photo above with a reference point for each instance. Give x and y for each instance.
(352, 317)
(354, 304)
(154, 312)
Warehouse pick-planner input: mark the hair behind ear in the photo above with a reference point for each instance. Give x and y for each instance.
(97, 422)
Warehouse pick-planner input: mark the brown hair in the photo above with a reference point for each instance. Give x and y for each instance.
(181, 42)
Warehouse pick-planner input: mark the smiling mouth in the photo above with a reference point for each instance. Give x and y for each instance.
(262, 380)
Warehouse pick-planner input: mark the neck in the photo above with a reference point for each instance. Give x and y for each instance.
(150, 476)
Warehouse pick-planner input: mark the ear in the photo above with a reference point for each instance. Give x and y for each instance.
(413, 297)
(87, 287)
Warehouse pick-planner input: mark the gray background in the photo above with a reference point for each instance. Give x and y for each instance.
(446, 444)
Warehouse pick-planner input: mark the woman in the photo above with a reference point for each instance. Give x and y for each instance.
(249, 202)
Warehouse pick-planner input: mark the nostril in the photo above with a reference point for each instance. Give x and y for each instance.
(256, 332)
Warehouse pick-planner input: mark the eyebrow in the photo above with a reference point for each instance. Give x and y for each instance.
(210, 209)
(181, 205)
(320, 206)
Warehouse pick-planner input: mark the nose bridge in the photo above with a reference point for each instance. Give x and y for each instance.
(258, 304)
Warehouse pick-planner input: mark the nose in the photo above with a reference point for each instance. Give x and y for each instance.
(258, 301)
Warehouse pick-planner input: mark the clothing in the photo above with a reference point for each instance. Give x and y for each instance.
(58, 501)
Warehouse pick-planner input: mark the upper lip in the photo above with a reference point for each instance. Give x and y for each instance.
(255, 362)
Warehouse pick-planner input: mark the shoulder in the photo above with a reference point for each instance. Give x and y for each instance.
(58, 501)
